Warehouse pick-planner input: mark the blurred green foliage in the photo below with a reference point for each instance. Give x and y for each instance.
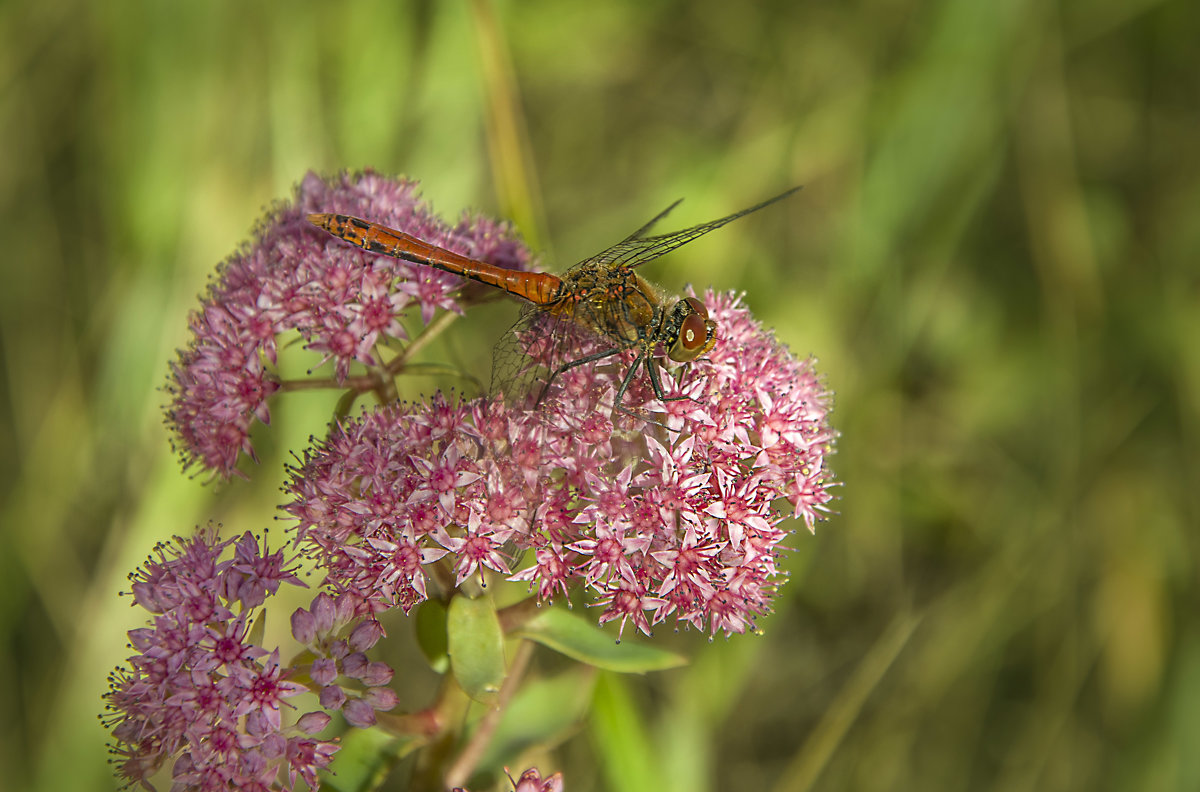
(995, 257)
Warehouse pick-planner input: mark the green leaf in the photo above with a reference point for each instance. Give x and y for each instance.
(344, 404)
(476, 647)
(431, 634)
(364, 760)
(581, 640)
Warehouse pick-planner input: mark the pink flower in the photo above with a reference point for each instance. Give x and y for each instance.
(340, 656)
(340, 300)
(531, 781)
(658, 509)
(684, 521)
(198, 692)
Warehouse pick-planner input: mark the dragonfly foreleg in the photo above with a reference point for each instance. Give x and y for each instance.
(656, 382)
(581, 361)
(651, 368)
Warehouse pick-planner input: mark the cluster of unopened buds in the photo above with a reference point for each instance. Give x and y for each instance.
(658, 509)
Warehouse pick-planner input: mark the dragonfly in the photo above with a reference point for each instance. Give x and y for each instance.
(603, 295)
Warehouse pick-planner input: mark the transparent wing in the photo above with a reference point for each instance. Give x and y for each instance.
(513, 369)
(637, 249)
(641, 232)
(538, 345)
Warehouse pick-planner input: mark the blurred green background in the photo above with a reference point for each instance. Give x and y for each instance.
(994, 258)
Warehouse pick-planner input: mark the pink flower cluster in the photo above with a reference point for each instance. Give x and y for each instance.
(531, 781)
(339, 299)
(200, 690)
(675, 516)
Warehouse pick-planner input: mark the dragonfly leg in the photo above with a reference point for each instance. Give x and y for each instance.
(645, 360)
(656, 383)
(642, 360)
(625, 382)
(648, 363)
(581, 361)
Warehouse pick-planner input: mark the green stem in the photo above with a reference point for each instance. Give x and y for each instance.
(515, 616)
(431, 331)
(460, 770)
(444, 721)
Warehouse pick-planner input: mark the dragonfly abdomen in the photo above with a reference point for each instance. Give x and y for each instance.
(539, 288)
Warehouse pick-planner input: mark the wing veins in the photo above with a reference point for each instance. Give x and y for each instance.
(635, 249)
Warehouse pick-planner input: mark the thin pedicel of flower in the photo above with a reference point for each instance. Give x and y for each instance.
(658, 523)
(343, 302)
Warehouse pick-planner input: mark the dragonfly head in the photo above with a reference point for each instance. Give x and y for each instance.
(692, 332)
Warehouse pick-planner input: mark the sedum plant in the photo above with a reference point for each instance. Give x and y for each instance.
(648, 506)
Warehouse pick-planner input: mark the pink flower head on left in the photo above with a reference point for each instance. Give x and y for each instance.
(199, 692)
(340, 300)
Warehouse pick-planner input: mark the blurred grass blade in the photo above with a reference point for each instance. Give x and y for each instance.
(626, 751)
(507, 137)
(802, 773)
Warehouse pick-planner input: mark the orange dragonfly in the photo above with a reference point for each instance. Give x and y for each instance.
(601, 294)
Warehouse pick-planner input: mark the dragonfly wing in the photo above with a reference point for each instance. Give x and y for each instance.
(530, 351)
(641, 232)
(635, 250)
(512, 368)
(536, 349)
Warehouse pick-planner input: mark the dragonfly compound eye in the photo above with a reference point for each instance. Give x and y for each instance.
(697, 306)
(697, 333)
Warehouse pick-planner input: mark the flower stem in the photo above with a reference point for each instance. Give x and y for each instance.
(461, 768)
(431, 331)
(361, 383)
(382, 380)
